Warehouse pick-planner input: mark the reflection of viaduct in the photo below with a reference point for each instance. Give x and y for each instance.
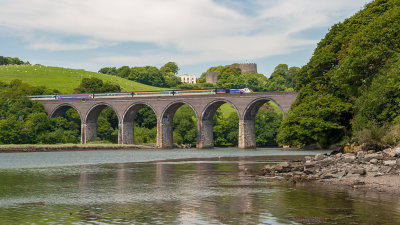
(164, 107)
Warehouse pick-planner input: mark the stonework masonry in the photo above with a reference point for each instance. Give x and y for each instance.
(164, 107)
(246, 67)
(212, 77)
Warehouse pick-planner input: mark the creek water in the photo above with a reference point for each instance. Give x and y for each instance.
(173, 187)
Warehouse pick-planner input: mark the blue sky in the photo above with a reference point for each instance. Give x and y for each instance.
(196, 34)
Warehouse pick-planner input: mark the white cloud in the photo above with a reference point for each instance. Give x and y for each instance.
(59, 46)
(200, 30)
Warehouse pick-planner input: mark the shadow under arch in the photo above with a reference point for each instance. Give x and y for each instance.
(247, 128)
(205, 136)
(165, 122)
(90, 125)
(128, 125)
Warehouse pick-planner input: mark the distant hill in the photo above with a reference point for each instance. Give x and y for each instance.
(63, 79)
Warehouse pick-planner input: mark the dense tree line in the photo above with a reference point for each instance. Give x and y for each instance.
(11, 61)
(23, 121)
(349, 90)
(163, 77)
(95, 85)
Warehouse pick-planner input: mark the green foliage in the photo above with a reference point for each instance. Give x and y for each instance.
(11, 61)
(123, 72)
(268, 122)
(144, 135)
(226, 130)
(350, 67)
(185, 126)
(146, 118)
(163, 77)
(95, 85)
(147, 75)
(105, 131)
(379, 103)
(282, 79)
(317, 117)
(108, 70)
(23, 121)
(170, 67)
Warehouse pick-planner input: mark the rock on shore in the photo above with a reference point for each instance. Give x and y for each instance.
(363, 169)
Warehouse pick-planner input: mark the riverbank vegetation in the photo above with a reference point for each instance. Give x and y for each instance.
(349, 90)
(23, 121)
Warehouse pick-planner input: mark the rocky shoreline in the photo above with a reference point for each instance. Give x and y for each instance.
(369, 170)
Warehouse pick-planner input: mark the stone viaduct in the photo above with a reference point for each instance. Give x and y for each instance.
(164, 107)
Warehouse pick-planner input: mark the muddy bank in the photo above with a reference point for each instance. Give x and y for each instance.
(69, 147)
(369, 170)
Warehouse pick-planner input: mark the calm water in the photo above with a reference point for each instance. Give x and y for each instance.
(134, 187)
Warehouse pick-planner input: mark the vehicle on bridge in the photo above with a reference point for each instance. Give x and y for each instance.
(143, 94)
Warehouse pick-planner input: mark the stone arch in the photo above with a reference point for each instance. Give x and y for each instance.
(94, 112)
(211, 108)
(205, 137)
(252, 108)
(247, 129)
(90, 122)
(61, 109)
(127, 125)
(164, 123)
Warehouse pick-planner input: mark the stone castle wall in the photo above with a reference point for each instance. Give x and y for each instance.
(246, 67)
(212, 77)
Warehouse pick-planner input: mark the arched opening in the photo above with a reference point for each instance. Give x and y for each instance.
(68, 122)
(219, 125)
(185, 127)
(178, 125)
(139, 125)
(261, 121)
(102, 124)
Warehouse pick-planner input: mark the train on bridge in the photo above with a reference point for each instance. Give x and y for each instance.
(142, 94)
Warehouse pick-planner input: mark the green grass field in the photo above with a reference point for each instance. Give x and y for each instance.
(63, 79)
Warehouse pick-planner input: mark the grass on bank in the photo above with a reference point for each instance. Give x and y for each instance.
(63, 79)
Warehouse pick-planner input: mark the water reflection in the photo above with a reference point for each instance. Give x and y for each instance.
(179, 192)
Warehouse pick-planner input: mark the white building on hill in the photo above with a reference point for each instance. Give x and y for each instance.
(190, 79)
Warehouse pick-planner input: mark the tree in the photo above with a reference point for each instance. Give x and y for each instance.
(267, 125)
(108, 70)
(184, 126)
(123, 71)
(282, 79)
(23, 121)
(147, 75)
(95, 85)
(11, 61)
(170, 67)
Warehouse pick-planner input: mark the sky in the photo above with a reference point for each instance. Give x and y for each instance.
(196, 34)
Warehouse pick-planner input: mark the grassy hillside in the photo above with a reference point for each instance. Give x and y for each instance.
(63, 79)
